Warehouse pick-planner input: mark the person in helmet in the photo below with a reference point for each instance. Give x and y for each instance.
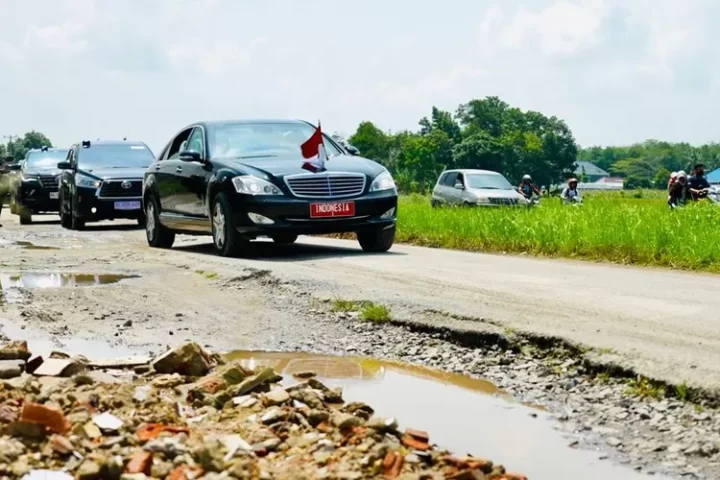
(570, 194)
(528, 189)
(678, 191)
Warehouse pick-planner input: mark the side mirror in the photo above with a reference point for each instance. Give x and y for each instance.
(65, 166)
(459, 186)
(191, 156)
(14, 167)
(352, 150)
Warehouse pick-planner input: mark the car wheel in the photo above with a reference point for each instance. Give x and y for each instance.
(226, 238)
(434, 203)
(25, 215)
(377, 241)
(285, 238)
(65, 217)
(158, 236)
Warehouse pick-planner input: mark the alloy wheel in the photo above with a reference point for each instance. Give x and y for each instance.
(219, 225)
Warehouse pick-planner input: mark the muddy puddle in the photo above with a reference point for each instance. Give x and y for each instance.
(37, 280)
(462, 414)
(25, 245)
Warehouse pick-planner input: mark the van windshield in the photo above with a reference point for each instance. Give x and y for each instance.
(487, 181)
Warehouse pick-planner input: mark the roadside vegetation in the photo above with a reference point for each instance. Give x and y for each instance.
(367, 311)
(624, 227)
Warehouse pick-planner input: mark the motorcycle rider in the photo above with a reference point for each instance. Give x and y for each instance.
(570, 194)
(528, 189)
(678, 191)
(697, 185)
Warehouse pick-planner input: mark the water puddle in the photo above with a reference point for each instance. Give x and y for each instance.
(36, 280)
(32, 246)
(464, 415)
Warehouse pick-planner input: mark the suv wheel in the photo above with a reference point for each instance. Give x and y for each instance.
(158, 236)
(285, 238)
(25, 215)
(377, 241)
(65, 217)
(226, 238)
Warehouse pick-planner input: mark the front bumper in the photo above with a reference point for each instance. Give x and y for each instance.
(94, 209)
(290, 215)
(34, 196)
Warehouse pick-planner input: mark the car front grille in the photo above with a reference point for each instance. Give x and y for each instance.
(49, 182)
(115, 189)
(504, 201)
(326, 185)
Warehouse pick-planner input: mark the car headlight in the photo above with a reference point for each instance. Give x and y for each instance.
(87, 182)
(482, 200)
(29, 178)
(383, 182)
(250, 185)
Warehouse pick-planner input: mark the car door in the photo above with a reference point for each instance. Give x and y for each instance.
(167, 172)
(437, 194)
(194, 177)
(451, 193)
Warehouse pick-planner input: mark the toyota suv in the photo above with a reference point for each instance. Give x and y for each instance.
(103, 181)
(34, 188)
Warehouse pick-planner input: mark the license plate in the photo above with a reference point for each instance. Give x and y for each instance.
(127, 205)
(330, 210)
(54, 195)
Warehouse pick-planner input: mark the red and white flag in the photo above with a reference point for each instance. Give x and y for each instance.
(313, 151)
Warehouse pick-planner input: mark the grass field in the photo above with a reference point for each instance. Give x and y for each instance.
(623, 227)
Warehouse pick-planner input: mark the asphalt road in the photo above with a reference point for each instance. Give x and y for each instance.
(662, 323)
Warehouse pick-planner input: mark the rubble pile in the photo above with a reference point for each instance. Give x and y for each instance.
(190, 415)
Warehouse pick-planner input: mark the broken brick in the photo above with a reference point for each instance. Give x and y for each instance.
(151, 431)
(419, 434)
(50, 417)
(140, 462)
(415, 443)
(392, 464)
(61, 445)
(15, 350)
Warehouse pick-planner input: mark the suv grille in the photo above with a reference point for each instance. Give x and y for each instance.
(503, 201)
(114, 188)
(49, 182)
(326, 185)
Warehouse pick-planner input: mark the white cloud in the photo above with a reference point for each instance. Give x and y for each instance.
(218, 59)
(57, 37)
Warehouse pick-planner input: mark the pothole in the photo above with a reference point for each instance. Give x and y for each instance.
(464, 414)
(36, 280)
(32, 246)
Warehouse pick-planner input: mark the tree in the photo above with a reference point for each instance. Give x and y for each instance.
(19, 147)
(372, 142)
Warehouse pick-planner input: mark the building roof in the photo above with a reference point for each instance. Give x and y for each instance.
(589, 169)
(610, 180)
(714, 176)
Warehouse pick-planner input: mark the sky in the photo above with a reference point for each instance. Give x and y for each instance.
(617, 71)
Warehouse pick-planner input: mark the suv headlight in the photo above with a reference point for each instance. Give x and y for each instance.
(383, 182)
(482, 200)
(30, 178)
(87, 182)
(250, 185)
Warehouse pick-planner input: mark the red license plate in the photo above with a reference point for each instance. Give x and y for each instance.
(330, 210)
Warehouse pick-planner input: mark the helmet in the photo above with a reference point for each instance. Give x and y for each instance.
(572, 180)
(674, 175)
(681, 174)
(527, 177)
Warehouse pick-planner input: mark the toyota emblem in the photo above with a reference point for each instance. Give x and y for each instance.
(126, 184)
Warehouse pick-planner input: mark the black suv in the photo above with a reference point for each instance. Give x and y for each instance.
(102, 181)
(241, 180)
(34, 188)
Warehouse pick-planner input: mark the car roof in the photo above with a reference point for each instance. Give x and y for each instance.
(36, 150)
(249, 121)
(111, 143)
(471, 170)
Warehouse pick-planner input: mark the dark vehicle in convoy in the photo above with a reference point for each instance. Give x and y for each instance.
(102, 181)
(33, 188)
(240, 180)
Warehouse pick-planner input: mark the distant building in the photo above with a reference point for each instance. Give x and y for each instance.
(589, 171)
(713, 177)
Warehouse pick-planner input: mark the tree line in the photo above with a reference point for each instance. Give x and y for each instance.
(18, 147)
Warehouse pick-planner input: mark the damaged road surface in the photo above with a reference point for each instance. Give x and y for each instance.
(287, 298)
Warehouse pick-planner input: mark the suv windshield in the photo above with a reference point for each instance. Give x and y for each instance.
(48, 159)
(262, 140)
(115, 156)
(483, 180)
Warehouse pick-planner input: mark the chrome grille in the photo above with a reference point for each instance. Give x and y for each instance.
(114, 189)
(503, 201)
(49, 182)
(326, 185)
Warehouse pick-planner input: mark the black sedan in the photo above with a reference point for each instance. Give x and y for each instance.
(240, 180)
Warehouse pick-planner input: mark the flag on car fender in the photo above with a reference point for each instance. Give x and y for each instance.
(313, 151)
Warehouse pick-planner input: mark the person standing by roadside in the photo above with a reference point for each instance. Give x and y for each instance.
(697, 185)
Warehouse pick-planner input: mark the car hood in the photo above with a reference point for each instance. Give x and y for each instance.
(43, 171)
(290, 165)
(492, 193)
(110, 173)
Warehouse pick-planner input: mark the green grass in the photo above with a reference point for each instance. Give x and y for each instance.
(644, 388)
(624, 227)
(208, 275)
(369, 311)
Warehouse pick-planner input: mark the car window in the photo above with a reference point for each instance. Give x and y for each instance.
(450, 180)
(241, 140)
(48, 159)
(177, 144)
(196, 142)
(115, 155)
(442, 179)
(488, 181)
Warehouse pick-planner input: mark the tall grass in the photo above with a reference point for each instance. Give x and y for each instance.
(628, 228)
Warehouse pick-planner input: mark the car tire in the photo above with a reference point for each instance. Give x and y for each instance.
(158, 235)
(25, 215)
(377, 241)
(285, 239)
(434, 203)
(228, 242)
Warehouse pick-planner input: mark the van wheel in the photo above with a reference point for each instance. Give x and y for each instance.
(377, 241)
(228, 242)
(158, 236)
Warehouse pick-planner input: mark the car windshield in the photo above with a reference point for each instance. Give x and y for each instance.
(48, 159)
(488, 181)
(115, 156)
(262, 140)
